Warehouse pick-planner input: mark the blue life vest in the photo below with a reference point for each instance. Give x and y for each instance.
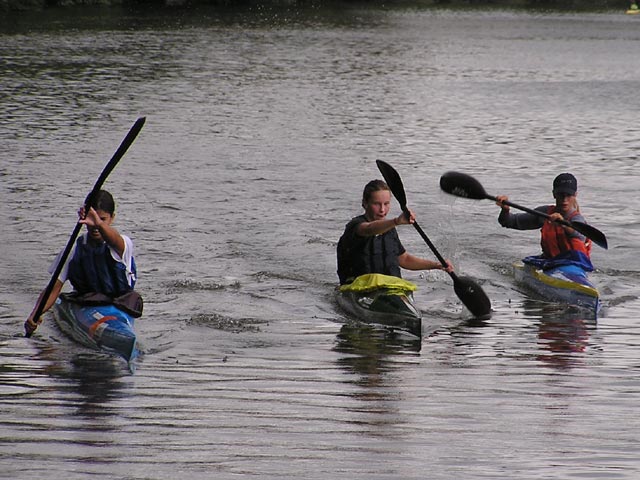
(93, 269)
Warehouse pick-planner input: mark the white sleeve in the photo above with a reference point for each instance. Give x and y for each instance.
(127, 258)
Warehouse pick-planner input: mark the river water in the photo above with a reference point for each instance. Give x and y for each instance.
(262, 128)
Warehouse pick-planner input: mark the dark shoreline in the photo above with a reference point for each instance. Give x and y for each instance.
(547, 5)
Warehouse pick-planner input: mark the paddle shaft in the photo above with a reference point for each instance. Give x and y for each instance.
(468, 291)
(124, 146)
(579, 226)
(463, 185)
(430, 243)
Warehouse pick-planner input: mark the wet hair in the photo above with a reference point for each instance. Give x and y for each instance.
(102, 200)
(373, 186)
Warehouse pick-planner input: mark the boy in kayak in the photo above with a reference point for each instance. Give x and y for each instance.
(560, 244)
(100, 262)
(370, 242)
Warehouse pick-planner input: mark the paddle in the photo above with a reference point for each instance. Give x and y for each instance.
(468, 291)
(126, 143)
(463, 185)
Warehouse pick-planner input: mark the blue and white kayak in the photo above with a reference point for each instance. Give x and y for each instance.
(383, 301)
(564, 284)
(104, 327)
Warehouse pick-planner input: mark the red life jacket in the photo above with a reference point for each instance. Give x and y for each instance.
(554, 239)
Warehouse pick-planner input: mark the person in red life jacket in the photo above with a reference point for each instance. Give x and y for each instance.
(370, 242)
(100, 262)
(560, 244)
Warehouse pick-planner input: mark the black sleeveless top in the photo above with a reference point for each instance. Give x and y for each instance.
(375, 254)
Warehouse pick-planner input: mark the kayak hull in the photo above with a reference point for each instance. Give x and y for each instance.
(104, 327)
(565, 284)
(379, 307)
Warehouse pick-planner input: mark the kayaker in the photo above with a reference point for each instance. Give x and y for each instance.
(370, 242)
(101, 261)
(560, 244)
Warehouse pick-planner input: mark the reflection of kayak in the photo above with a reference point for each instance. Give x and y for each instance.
(382, 300)
(99, 326)
(565, 284)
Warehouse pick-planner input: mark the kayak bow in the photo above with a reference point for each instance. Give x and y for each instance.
(103, 327)
(564, 284)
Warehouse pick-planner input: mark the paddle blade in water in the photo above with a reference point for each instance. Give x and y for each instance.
(462, 185)
(472, 296)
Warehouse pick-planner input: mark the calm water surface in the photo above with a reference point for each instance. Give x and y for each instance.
(261, 132)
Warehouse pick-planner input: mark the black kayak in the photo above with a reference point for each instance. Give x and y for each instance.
(382, 300)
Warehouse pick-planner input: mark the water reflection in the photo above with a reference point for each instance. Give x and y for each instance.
(59, 400)
(89, 381)
(371, 350)
(98, 382)
(476, 322)
(563, 333)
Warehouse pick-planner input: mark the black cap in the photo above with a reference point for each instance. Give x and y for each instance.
(565, 183)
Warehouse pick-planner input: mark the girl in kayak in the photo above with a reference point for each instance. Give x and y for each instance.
(560, 244)
(101, 260)
(370, 242)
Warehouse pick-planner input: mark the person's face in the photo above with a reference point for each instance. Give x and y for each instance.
(94, 232)
(378, 205)
(564, 202)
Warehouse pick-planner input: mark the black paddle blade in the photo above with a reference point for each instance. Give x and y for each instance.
(462, 185)
(393, 181)
(472, 296)
(592, 233)
(468, 291)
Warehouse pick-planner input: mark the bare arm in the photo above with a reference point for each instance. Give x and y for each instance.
(378, 227)
(31, 324)
(411, 262)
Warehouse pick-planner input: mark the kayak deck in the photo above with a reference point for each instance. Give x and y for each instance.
(379, 307)
(103, 327)
(566, 284)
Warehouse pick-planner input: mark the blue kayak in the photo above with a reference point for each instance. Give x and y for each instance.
(104, 327)
(564, 284)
